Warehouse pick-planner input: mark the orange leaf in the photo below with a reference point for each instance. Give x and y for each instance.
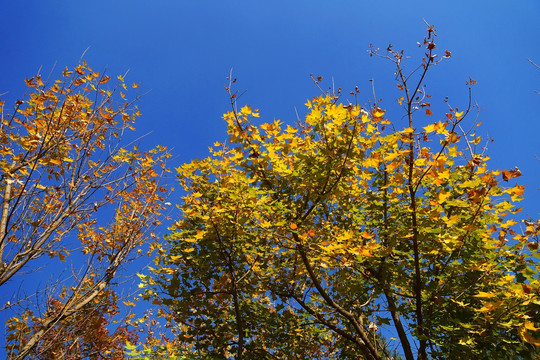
(366, 252)
(104, 79)
(470, 82)
(366, 235)
(79, 69)
(507, 175)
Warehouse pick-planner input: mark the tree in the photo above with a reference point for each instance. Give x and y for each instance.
(347, 235)
(73, 198)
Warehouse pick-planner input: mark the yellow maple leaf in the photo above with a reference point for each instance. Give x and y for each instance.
(452, 151)
(485, 294)
(408, 130)
(366, 252)
(476, 140)
(378, 113)
(430, 128)
(526, 336)
(391, 156)
(452, 137)
(246, 110)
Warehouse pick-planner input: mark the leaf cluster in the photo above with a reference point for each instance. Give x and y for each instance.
(73, 192)
(348, 235)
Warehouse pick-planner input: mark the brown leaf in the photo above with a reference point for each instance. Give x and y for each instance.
(507, 175)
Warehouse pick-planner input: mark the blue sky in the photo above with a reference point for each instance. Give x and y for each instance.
(183, 51)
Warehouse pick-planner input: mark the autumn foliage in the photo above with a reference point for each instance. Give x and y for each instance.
(350, 235)
(87, 333)
(75, 196)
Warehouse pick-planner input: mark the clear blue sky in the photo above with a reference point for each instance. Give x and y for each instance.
(183, 51)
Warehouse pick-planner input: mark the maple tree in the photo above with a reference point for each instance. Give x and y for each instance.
(76, 197)
(348, 235)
